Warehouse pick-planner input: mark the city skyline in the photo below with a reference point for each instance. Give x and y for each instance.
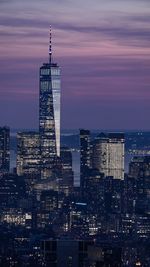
(105, 58)
(75, 154)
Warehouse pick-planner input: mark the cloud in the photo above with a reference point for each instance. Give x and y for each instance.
(125, 31)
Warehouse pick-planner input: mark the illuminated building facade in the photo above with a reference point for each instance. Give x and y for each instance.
(4, 149)
(116, 155)
(28, 154)
(49, 115)
(100, 153)
(108, 154)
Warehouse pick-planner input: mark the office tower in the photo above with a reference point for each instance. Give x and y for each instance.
(113, 195)
(108, 154)
(100, 153)
(139, 166)
(4, 149)
(130, 194)
(49, 114)
(85, 159)
(66, 183)
(116, 155)
(28, 154)
(12, 188)
(94, 193)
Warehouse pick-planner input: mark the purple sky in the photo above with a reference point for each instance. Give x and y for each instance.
(103, 48)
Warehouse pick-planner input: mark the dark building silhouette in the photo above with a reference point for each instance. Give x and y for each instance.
(66, 183)
(139, 169)
(139, 166)
(80, 253)
(49, 200)
(4, 149)
(85, 158)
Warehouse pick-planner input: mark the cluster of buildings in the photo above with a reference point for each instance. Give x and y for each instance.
(46, 221)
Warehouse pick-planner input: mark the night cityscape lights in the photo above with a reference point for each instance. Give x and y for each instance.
(47, 219)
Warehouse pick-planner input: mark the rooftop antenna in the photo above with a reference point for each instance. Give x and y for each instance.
(50, 45)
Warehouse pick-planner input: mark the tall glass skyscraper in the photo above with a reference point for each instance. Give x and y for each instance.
(49, 114)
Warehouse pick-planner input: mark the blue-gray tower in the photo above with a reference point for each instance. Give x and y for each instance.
(49, 114)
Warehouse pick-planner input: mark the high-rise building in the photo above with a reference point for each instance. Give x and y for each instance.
(139, 169)
(49, 114)
(85, 159)
(4, 149)
(139, 166)
(66, 183)
(108, 154)
(116, 155)
(28, 154)
(100, 149)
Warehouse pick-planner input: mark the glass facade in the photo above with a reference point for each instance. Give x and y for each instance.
(49, 116)
(49, 126)
(56, 85)
(116, 157)
(100, 151)
(28, 154)
(108, 154)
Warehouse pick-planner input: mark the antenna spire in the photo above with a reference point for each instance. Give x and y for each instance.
(50, 45)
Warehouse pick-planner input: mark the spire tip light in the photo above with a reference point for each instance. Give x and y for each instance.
(50, 44)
